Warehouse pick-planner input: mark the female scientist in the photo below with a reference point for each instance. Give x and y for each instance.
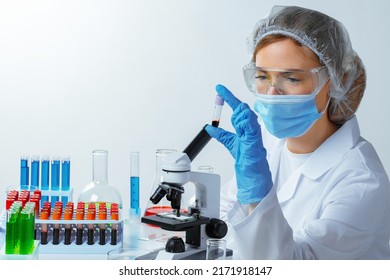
(309, 186)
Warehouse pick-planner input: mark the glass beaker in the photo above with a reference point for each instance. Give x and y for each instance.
(216, 249)
(100, 190)
(164, 205)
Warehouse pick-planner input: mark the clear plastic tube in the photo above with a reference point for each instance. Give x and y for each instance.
(45, 171)
(35, 164)
(134, 184)
(65, 177)
(24, 173)
(55, 177)
(217, 111)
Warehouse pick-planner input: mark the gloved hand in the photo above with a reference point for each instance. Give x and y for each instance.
(246, 146)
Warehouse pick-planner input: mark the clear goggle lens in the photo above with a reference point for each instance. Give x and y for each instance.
(285, 81)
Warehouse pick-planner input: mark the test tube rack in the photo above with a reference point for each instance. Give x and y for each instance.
(86, 247)
(91, 227)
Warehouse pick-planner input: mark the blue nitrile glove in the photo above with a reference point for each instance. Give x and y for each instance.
(246, 146)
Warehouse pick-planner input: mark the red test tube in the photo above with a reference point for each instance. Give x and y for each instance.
(44, 226)
(102, 226)
(114, 227)
(91, 227)
(56, 226)
(79, 227)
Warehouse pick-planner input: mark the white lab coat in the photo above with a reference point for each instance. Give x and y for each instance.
(335, 206)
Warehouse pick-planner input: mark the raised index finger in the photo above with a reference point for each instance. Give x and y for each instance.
(228, 96)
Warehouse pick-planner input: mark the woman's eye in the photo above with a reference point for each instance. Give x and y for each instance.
(261, 77)
(293, 80)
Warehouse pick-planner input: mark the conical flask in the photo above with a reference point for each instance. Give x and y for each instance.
(164, 205)
(100, 190)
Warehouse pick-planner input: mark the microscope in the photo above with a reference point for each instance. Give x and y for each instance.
(201, 221)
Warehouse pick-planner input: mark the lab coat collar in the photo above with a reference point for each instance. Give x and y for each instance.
(332, 150)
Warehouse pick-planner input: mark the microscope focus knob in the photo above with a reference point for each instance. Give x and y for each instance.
(216, 228)
(175, 245)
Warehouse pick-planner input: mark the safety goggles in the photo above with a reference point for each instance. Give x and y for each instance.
(284, 81)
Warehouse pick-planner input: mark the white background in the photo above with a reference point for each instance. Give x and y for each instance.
(140, 75)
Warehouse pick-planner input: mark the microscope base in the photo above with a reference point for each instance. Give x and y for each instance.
(189, 254)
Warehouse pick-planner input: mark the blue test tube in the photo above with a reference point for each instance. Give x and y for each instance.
(45, 171)
(55, 178)
(134, 184)
(24, 173)
(34, 173)
(65, 177)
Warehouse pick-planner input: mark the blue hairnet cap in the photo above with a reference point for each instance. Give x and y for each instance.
(329, 40)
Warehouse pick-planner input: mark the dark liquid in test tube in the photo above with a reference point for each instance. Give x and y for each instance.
(44, 237)
(90, 240)
(56, 234)
(68, 235)
(114, 234)
(79, 236)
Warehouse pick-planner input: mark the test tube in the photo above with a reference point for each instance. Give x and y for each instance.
(45, 167)
(57, 213)
(217, 110)
(201, 140)
(114, 228)
(34, 173)
(134, 184)
(79, 227)
(44, 215)
(36, 198)
(55, 177)
(65, 177)
(102, 226)
(12, 227)
(24, 173)
(26, 224)
(91, 214)
(68, 215)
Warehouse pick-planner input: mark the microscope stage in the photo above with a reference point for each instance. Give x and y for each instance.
(169, 221)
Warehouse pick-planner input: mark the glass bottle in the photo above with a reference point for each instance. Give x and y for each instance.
(164, 205)
(100, 190)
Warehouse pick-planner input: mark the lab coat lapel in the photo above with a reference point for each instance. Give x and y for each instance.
(322, 159)
(332, 150)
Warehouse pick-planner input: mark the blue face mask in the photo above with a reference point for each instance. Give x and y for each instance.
(287, 116)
